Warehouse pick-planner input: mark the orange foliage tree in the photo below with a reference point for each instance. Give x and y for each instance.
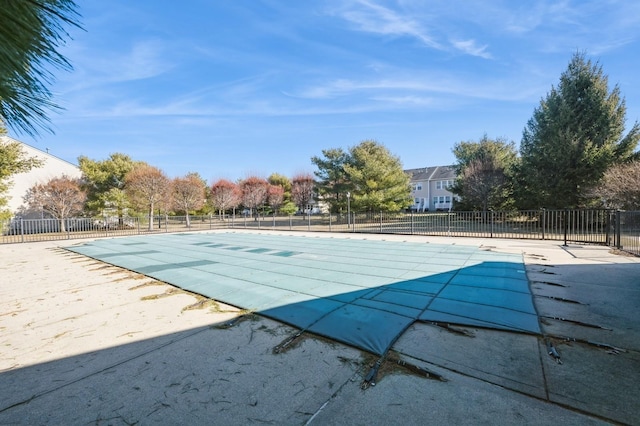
(147, 186)
(188, 193)
(62, 197)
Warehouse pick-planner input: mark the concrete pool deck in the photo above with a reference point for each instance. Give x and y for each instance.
(86, 342)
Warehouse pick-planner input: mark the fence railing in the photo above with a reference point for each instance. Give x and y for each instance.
(608, 227)
(626, 234)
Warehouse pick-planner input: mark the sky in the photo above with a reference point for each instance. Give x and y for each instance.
(229, 89)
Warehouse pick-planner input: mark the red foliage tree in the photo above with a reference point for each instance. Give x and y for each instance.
(302, 190)
(254, 192)
(275, 197)
(225, 195)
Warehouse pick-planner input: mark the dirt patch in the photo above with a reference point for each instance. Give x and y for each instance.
(143, 285)
(622, 253)
(206, 303)
(393, 364)
(243, 315)
(169, 292)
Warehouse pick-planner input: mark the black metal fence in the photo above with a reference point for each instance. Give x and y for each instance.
(618, 229)
(626, 232)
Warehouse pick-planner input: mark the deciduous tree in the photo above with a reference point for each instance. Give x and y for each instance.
(146, 187)
(574, 136)
(482, 185)
(188, 193)
(62, 197)
(620, 186)
(275, 197)
(225, 195)
(302, 190)
(31, 33)
(254, 192)
(484, 172)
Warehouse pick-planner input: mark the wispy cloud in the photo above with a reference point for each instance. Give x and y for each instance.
(371, 17)
(418, 22)
(470, 47)
(145, 59)
(138, 61)
(406, 101)
(562, 26)
(419, 86)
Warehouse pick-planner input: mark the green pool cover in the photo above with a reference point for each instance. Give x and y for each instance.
(364, 293)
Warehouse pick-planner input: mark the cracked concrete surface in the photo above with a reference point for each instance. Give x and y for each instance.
(84, 343)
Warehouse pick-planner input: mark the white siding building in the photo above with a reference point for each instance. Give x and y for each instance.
(52, 167)
(430, 188)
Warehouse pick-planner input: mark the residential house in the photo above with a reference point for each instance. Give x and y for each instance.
(431, 188)
(21, 183)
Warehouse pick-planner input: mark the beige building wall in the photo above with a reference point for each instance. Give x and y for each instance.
(52, 167)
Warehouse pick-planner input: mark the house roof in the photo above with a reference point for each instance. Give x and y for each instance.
(432, 173)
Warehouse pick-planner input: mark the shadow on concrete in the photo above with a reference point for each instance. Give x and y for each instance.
(213, 375)
(206, 375)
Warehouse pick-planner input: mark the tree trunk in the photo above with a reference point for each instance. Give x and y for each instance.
(151, 217)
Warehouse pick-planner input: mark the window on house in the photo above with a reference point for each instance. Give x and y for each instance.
(439, 184)
(416, 201)
(442, 199)
(435, 200)
(419, 187)
(447, 199)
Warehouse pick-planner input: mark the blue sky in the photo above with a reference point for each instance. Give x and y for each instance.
(232, 88)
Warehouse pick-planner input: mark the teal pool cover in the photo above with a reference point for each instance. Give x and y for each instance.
(364, 293)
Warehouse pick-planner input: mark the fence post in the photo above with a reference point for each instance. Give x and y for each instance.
(491, 219)
(329, 221)
(617, 230)
(381, 222)
(566, 225)
(67, 228)
(544, 221)
(21, 230)
(411, 222)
